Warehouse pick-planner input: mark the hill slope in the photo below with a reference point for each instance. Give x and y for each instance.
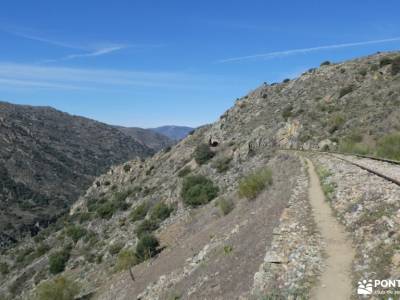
(215, 244)
(47, 158)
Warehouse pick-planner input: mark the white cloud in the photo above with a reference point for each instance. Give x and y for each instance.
(271, 55)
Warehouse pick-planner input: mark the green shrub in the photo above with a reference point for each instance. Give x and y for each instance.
(222, 164)
(325, 63)
(287, 112)
(58, 260)
(363, 72)
(115, 248)
(254, 183)
(84, 217)
(119, 200)
(336, 122)
(148, 172)
(4, 268)
(226, 206)
(286, 80)
(350, 145)
(58, 289)
(161, 211)
(106, 208)
(167, 149)
(23, 254)
(346, 90)
(374, 67)
(147, 247)
(146, 227)
(127, 168)
(228, 249)
(203, 154)
(139, 212)
(42, 249)
(389, 146)
(126, 259)
(91, 238)
(355, 137)
(395, 66)
(75, 232)
(184, 172)
(385, 61)
(198, 190)
(93, 203)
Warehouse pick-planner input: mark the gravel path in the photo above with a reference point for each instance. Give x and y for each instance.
(335, 280)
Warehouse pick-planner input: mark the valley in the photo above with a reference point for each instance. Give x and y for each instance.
(269, 202)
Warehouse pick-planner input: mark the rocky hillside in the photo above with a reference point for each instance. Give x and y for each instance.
(175, 133)
(47, 158)
(224, 214)
(148, 138)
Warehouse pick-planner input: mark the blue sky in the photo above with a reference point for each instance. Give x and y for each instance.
(151, 63)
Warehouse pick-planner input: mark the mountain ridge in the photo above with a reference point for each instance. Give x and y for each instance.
(59, 154)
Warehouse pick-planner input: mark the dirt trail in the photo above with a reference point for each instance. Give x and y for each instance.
(335, 281)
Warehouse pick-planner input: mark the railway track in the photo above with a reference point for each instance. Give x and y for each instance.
(366, 168)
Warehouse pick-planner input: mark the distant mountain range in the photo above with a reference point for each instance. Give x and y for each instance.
(148, 138)
(175, 133)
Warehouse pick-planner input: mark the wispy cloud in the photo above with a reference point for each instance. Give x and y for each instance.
(30, 34)
(50, 77)
(271, 55)
(88, 49)
(97, 52)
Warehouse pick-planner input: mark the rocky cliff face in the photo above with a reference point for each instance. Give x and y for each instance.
(47, 158)
(209, 251)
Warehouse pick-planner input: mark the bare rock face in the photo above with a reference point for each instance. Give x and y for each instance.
(207, 254)
(47, 158)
